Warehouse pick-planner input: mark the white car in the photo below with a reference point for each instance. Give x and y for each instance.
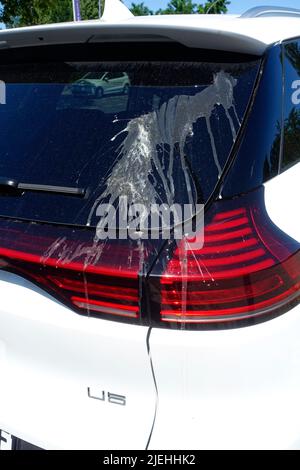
(100, 84)
(151, 343)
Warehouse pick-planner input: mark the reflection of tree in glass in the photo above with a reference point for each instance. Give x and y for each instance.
(291, 143)
(271, 160)
(292, 136)
(293, 55)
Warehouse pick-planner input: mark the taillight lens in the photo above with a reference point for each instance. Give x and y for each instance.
(245, 269)
(93, 278)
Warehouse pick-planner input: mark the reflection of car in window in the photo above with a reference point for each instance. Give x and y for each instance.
(99, 84)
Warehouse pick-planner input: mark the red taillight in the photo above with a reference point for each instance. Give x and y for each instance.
(246, 267)
(100, 279)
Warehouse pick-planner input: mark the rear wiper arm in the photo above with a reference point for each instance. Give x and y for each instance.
(14, 187)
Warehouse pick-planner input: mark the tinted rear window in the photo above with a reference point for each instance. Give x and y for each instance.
(156, 131)
(291, 145)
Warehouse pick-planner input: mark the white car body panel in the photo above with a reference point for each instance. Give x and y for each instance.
(234, 389)
(282, 197)
(49, 356)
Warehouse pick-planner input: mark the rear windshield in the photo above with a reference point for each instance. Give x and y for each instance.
(153, 131)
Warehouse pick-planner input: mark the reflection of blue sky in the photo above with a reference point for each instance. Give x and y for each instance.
(1, 24)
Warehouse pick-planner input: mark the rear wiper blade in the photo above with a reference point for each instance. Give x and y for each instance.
(14, 187)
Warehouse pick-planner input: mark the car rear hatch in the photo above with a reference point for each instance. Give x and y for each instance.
(82, 381)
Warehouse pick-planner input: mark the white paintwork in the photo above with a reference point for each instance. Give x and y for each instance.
(5, 441)
(48, 358)
(282, 196)
(234, 389)
(221, 32)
